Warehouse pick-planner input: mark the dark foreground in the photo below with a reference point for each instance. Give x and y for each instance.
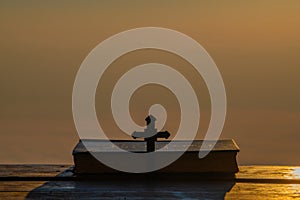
(58, 182)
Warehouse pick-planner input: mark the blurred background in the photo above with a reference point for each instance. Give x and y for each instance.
(255, 44)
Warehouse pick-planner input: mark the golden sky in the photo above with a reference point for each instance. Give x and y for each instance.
(255, 44)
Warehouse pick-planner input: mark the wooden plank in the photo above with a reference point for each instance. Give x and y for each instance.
(245, 172)
(19, 186)
(274, 194)
(13, 195)
(264, 191)
(124, 189)
(32, 170)
(149, 189)
(267, 172)
(90, 190)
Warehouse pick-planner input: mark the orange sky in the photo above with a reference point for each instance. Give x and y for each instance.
(255, 45)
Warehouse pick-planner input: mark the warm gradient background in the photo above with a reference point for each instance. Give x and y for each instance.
(255, 44)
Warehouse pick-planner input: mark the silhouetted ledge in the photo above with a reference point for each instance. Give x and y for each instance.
(220, 162)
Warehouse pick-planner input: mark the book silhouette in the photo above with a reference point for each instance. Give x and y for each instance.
(221, 160)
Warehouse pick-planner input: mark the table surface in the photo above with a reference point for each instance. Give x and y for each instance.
(58, 182)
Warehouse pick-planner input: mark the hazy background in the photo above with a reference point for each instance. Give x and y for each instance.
(255, 44)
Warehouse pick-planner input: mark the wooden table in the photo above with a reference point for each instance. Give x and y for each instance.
(58, 182)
